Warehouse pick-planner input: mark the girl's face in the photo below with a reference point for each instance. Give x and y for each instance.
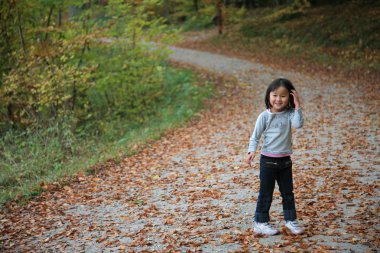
(279, 99)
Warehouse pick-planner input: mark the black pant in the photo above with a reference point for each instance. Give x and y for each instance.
(272, 170)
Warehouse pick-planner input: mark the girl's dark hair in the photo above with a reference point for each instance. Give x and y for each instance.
(275, 85)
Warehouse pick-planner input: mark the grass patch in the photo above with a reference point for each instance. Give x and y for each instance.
(35, 157)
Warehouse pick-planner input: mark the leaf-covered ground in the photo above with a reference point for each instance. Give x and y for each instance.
(191, 191)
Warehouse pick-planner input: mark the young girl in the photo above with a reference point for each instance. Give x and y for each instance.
(283, 112)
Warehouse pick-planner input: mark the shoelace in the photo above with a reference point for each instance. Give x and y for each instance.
(294, 224)
(267, 225)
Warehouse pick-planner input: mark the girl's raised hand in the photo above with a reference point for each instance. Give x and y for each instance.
(296, 97)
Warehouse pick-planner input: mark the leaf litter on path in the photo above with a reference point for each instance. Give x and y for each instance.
(191, 191)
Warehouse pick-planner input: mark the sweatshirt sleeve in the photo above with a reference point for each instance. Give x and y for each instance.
(296, 118)
(256, 135)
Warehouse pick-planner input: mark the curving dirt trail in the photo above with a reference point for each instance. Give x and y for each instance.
(191, 192)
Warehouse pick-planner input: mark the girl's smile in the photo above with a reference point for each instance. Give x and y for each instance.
(279, 99)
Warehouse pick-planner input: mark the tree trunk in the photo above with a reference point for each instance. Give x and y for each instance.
(23, 45)
(167, 10)
(6, 45)
(196, 6)
(219, 17)
(60, 16)
(48, 21)
(86, 45)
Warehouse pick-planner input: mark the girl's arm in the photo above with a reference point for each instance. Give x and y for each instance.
(255, 138)
(296, 116)
(256, 135)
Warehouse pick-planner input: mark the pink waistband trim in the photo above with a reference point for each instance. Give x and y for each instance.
(275, 155)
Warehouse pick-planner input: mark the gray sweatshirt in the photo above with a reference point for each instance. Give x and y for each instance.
(276, 128)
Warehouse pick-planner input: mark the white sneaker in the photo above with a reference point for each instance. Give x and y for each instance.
(264, 229)
(294, 227)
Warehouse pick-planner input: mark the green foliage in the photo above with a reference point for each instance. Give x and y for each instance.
(349, 34)
(73, 88)
(41, 89)
(29, 154)
(127, 83)
(234, 15)
(52, 73)
(36, 156)
(201, 20)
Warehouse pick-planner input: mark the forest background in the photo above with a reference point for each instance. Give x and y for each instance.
(81, 81)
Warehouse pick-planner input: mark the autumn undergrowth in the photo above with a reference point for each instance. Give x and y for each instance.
(201, 20)
(36, 157)
(345, 35)
(90, 88)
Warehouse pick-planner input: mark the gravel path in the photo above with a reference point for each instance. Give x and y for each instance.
(191, 191)
(214, 62)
